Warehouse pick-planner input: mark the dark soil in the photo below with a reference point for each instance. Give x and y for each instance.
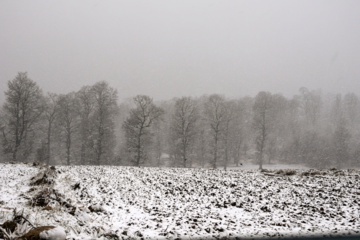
(9, 226)
(34, 234)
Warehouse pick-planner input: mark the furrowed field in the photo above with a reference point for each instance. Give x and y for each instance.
(107, 202)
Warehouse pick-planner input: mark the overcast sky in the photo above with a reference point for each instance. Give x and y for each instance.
(169, 49)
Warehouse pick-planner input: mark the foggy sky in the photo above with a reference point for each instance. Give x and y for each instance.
(169, 49)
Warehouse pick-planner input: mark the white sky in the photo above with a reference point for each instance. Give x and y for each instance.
(178, 48)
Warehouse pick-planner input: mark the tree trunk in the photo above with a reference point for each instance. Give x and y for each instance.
(138, 157)
(100, 138)
(226, 155)
(14, 154)
(261, 152)
(68, 147)
(184, 155)
(215, 150)
(48, 145)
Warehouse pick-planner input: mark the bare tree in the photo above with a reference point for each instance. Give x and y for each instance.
(121, 149)
(341, 139)
(341, 135)
(201, 144)
(238, 128)
(50, 114)
(311, 103)
(68, 119)
(158, 140)
(201, 147)
(352, 109)
(292, 146)
(280, 117)
(105, 108)
(230, 115)
(216, 113)
(183, 128)
(137, 127)
(262, 122)
(21, 112)
(86, 110)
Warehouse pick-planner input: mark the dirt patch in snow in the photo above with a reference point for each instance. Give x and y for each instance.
(34, 234)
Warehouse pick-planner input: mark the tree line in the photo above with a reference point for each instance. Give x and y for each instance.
(90, 127)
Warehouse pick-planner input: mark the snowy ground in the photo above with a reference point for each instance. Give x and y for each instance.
(108, 202)
(274, 166)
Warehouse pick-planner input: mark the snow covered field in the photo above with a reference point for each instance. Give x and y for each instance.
(106, 202)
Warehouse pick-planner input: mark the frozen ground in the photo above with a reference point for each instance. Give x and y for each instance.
(108, 202)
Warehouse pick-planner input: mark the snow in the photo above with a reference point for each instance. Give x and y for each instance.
(14, 181)
(186, 203)
(57, 233)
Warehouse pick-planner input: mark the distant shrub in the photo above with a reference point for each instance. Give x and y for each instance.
(289, 172)
(312, 172)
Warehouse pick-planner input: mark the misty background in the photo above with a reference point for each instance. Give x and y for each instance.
(180, 84)
(169, 49)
